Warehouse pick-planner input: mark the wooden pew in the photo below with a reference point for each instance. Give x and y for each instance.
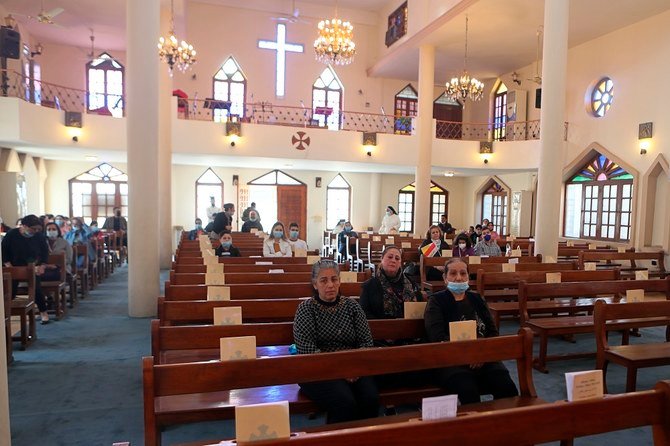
(631, 257)
(495, 287)
(289, 268)
(243, 260)
(630, 356)
(171, 345)
(251, 278)
(7, 298)
(543, 423)
(57, 288)
(200, 391)
(24, 306)
(255, 291)
(544, 327)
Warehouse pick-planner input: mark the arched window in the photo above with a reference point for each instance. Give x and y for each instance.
(208, 185)
(327, 93)
(94, 194)
(500, 113)
(406, 104)
(104, 78)
(439, 204)
(338, 201)
(230, 84)
(495, 206)
(598, 202)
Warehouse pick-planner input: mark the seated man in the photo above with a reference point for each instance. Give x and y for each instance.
(117, 223)
(487, 246)
(293, 233)
(252, 222)
(193, 234)
(444, 225)
(226, 248)
(342, 240)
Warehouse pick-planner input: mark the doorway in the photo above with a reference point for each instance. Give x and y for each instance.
(280, 197)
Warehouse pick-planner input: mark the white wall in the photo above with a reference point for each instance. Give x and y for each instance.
(660, 206)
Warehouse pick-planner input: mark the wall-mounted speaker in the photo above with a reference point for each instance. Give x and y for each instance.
(538, 98)
(10, 43)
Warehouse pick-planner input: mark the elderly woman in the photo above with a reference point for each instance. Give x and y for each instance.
(462, 247)
(57, 245)
(434, 236)
(456, 303)
(383, 296)
(390, 222)
(329, 322)
(276, 244)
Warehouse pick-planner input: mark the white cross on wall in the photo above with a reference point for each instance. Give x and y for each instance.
(281, 47)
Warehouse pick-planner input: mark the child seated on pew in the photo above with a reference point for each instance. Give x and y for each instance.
(329, 322)
(226, 248)
(454, 304)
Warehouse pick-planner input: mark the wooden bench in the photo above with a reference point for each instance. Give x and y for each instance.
(289, 268)
(57, 288)
(243, 260)
(630, 356)
(544, 327)
(542, 423)
(201, 391)
(24, 306)
(255, 291)
(7, 298)
(171, 345)
(252, 278)
(631, 257)
(495, 287)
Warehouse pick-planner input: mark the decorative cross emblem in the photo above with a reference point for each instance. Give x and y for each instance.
(301, 142)
(281, 47)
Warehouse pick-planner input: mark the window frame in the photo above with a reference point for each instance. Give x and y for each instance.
(336, 115)
(348, 188)
(403, 110)
(198, 183)
(107, 65)
(500, 113)
(94, 205)
(216, 113)
(410, 189)
(498, 194)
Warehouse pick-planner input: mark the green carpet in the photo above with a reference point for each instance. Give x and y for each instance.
(81, 384)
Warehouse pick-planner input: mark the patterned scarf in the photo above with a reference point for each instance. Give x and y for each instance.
(393, 299)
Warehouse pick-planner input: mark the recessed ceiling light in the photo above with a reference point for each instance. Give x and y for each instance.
(91, 158)
(449, 173)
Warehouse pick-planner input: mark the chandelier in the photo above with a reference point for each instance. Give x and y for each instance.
(464, 87)
(335, 44)
(170, 51)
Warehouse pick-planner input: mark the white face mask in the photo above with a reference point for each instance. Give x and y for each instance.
(462, 245)
(52, 234)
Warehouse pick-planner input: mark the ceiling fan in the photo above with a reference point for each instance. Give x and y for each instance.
(44, 17)
(293, 17)
(538, 76)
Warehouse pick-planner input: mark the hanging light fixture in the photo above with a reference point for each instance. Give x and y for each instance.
(170, 51)
(334, 44)
(464, 87)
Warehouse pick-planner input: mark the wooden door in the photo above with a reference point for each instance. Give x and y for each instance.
(292, 207)
(451, 113)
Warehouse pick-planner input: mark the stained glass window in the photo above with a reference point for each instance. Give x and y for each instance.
(602, 97)
(495, 206)
(230, 84)
(500, 113)
(598, 201)
(406, 104)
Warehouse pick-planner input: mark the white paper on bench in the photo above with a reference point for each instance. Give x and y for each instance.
(276, 271)
(584, 385)
(263, 263)
(265, 421)
(439, 407)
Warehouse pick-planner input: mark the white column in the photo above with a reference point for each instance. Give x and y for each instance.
(165, 113)
(424, 130)
(376, 208)
(552, 117)
(142, 32)
(5, 432)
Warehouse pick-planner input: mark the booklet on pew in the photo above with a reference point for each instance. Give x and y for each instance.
(228, 316)
(549, 259)
(634, 296)
(553, 277)
(238, 347)
(365, 235)
(276, 271)
(417, 236)
(218, 292)
(447, 253)
(439, 407)
(621, 249)
(300, 253)
(390, 240)
(348, 277)
(584, 385)
(570, 243)
(474, 260)
(215, 279)
(265, 421)
(462, 330)
(642, 275)
(589, 266)
(414, 310)
(254, 230)
(263, 263)
(311, 260)
(592, 246)
(513, 261)
(509, 267)
(210, 260)
(214, 268)
(376, 238)
(406, 245)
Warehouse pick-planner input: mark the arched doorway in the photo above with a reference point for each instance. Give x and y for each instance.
(280, 197)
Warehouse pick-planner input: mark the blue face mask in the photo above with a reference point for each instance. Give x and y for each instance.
(294, 234)
(227, 244)
(198, 227)
(94, 229)
(458, 287)
(59, 222)
(487, 237)
(278, 234)
(347, 229)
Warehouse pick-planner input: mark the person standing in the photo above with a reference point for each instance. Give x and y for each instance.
(223, 221)
(390, 222)
(212, 210)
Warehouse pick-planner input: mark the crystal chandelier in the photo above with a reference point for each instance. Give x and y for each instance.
(170, 51)
(464, 87)
(335, 44)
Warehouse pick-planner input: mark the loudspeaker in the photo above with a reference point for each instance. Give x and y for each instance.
(10, 43)
(538, 98)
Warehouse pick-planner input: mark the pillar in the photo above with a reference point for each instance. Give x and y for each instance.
(376, 208)
(142, 64)
(552, 118)
(424, 130)
(165, 112)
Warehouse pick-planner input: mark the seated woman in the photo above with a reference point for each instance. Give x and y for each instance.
(462, 246)
(329, 322)
(57, 245)
(435, 236)
(276, 244)
(383, 295)
(226, 248)
(456, 303)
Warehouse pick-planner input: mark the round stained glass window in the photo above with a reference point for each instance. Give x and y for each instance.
(602, 97)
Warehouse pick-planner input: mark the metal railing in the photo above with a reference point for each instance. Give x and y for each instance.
(469, 131)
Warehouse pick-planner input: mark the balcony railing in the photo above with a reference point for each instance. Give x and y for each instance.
(469, 131)
(42, 93)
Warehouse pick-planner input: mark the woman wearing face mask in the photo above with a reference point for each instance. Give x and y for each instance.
(347, 231)
(226, 248)
(58, 245)
(432, 246)
(252, 222)
(383, 295)
(277, 245)
(390, 222)
(457, 303)
(462, 247)
(80, 235)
